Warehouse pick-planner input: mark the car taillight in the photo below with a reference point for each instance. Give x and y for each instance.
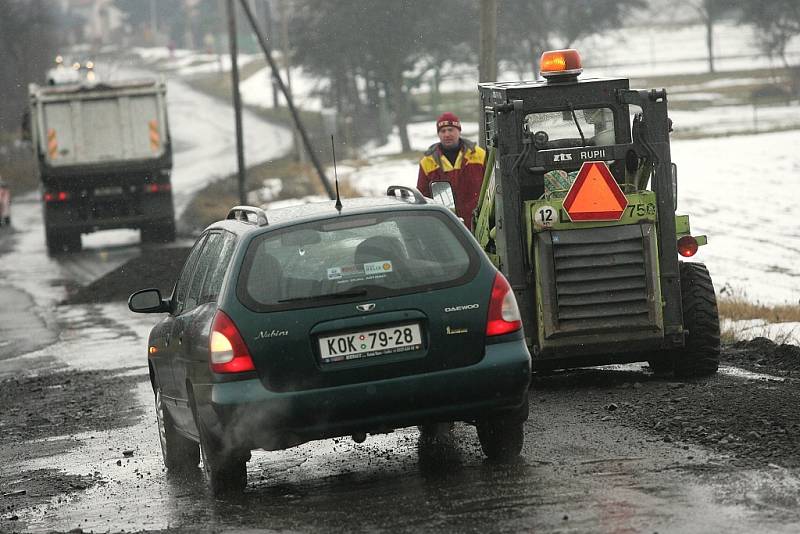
(504, 316)
(228, 353)
(687, 246)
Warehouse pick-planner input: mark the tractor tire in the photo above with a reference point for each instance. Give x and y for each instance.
(180, 454)
(700, 356)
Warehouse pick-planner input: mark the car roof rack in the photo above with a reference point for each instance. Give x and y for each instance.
(406, 192)
(248, 214)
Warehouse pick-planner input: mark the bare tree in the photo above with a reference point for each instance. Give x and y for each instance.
(778, 23)
(28, 46)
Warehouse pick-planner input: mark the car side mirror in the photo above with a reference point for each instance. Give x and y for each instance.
(442, 192)
(148, 301)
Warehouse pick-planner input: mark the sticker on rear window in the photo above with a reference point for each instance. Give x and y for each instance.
(350, 272)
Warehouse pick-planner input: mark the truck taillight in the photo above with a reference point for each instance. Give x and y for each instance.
(56, 196)
(227, 350)
(157, 188)
(504, 316)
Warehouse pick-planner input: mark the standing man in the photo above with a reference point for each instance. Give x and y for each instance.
(455, 160)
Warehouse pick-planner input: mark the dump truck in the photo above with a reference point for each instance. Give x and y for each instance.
(578, 210)
(104, 160)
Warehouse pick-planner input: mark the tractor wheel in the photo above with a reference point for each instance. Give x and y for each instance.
(180, 454)
(700, 356)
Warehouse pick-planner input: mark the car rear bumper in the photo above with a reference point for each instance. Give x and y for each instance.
(246, 415)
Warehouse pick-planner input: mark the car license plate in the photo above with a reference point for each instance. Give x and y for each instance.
(107, 191)
(368, 343)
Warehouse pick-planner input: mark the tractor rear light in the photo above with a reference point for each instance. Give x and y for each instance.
(227, 350)
(687, 246)
(504, 316)
(561, 63)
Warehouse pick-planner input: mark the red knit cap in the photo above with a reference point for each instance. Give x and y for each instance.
(448, 119)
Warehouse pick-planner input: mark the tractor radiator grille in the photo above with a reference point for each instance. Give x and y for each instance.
(603, 280)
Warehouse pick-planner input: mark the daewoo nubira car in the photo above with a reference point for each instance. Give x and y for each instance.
(313, 322)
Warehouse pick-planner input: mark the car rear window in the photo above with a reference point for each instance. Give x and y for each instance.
(359, 256)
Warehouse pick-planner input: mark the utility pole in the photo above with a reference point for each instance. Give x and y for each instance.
(153, 21)
(289, 101)
(487, 66)
(288, 67)
(237, 98)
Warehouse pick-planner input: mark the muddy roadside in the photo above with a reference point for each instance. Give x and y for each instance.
(44, 416)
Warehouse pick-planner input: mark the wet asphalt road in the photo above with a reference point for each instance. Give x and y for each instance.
(580, 471)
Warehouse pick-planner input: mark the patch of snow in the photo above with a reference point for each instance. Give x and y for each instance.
(745, 330)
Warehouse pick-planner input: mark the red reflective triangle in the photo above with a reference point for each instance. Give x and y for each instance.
(595, 195)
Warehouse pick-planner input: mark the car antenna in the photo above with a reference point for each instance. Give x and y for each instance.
(336, 177)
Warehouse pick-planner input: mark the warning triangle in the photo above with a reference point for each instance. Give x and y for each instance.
(595, 195)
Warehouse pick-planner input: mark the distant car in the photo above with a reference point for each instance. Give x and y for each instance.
(5, 203)
(308, 322)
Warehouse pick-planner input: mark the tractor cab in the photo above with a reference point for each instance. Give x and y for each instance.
(578, 209)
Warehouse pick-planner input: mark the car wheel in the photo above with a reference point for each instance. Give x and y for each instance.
(226, 472)
(700, 356)
(180, 454)
(501, 439)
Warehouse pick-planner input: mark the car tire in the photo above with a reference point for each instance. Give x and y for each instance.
(225, 472)
(700, 355)
(180, 454)
(501, 439)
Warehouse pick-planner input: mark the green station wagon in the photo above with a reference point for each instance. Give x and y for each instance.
(313, 322)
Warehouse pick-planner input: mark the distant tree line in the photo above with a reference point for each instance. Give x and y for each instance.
(28, 45)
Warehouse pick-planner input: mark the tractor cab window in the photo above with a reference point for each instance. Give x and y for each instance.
(565, 129)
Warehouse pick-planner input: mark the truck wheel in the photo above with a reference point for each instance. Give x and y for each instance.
(158, 233)
(180, 454)
(55, 243)
(661, 365)
(225, 471)
(73, 242)
(700, 356)
(501, 439)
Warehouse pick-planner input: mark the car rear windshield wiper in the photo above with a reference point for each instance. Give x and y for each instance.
(331, 296)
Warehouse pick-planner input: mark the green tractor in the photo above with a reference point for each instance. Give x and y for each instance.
(578, 208)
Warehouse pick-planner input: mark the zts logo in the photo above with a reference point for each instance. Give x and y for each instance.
(562, 157)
